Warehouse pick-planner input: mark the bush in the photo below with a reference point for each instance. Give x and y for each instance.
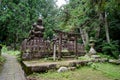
(111, 49)
(12, 52)
(87, 47)
(2, 60)
(105, 56)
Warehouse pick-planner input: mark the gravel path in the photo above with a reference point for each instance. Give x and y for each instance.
(11, 69)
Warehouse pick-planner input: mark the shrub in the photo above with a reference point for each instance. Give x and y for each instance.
(111, 49)
(2, 60)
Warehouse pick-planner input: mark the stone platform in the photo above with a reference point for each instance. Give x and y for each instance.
(39, 66)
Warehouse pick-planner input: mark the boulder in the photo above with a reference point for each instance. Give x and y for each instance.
(114, 61)
(62, 69)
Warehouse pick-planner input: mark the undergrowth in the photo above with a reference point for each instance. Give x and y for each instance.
(2, 60)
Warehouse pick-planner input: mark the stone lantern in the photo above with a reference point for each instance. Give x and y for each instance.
(92, 44)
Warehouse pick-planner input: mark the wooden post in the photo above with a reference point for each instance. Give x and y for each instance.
(54, 51)
(60, 46)
(75, 45)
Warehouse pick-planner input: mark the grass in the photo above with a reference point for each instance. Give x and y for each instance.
(103, 71)
(110, 70)
(12, 52)
(86, 57)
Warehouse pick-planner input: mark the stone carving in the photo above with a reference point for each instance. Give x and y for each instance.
(37, 30)
(35, 46)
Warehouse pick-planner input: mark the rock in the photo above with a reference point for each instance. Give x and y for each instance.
(92, 51)
(72, 64)
(62, 69)
(71, 68)
(114, 61)
(103, 60)
(42, 68)
(119, 58)
(95, 56)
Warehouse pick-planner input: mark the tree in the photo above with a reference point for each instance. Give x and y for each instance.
(93, 18)
(17, 16)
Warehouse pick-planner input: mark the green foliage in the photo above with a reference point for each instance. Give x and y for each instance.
(94, 66)
(89, 16)
(87, 47)
(2, 60)
(86, 57)
(12, 52)
(103, 71)
(111, 49)
(102, 55)
(112, 71)
(16, 18)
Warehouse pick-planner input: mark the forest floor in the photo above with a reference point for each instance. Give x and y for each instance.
(97, 71)
(11, 70)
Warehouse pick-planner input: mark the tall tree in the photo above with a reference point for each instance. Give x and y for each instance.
(17, 16)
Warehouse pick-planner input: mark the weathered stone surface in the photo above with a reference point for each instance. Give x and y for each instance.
(119, 58)
(95, 56)
(43, 68)
(114, 61)
(62, 69)
(78, 63)
(71, 68)
(92, 51)
(70, 64)
(35, 46)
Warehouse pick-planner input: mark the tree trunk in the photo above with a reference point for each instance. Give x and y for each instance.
(82, 36)
(106, 29)
(86, 37)
(99, 27)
